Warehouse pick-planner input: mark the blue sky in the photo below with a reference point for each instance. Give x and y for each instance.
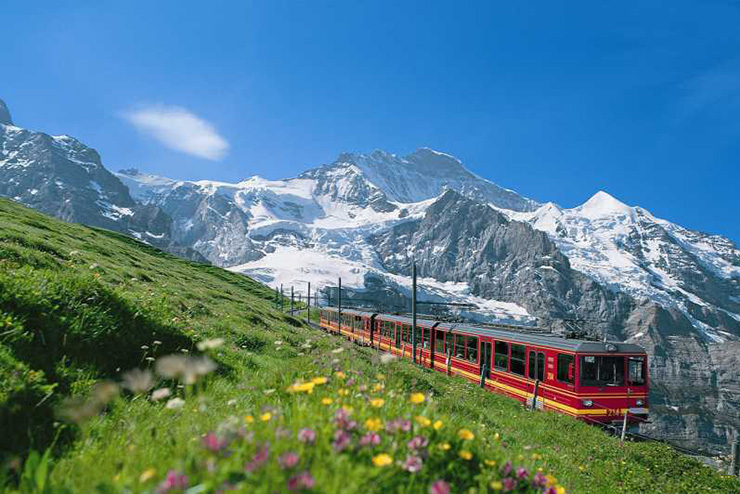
(555, 100)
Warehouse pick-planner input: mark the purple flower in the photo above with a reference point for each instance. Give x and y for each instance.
(350, 382)
(398, 425)
(341, 441)
(303, 480)
(307, 436)
(412, 464)
(342, 421)
(521, 473)
(552, 490)
(439, 487)
(173, 481)
(539, 480)
(259, 458)
(506, 469)
(509, 484)
(213, 444)
(418, 442)
(288, 460)
(370, 439)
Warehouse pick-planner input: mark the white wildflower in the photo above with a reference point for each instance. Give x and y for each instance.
(161, 393)
(210, 344)
(175, 403)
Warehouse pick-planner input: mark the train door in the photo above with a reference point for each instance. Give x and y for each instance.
(372, 329)
(399, 328)
(536, 372)
(486, 351)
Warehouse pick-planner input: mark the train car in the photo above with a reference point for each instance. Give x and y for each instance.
(594, 381)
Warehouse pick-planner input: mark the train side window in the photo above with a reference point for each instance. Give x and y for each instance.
(472, 352)
(448, 343)
(566, 368)
(536, 365)
(518, 354)
(637, 370)
(501, 357)
(425, 337)
(540, 366)
(459, 346)
(439, 341)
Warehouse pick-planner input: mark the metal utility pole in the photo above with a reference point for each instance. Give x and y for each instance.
(339, 306)
(282, 302)
(291, 300)
(735, 451)
(413, 311)
(277, 297)
(308, 304)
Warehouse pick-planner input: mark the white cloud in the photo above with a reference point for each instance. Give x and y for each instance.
(179, 129)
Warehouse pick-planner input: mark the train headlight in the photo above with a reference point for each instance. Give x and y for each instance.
(587, 403)
(639, 403)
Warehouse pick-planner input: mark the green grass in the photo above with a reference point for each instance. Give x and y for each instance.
(80, 305)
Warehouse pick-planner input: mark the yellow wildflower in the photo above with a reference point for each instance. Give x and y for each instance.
(301, 387)
(265, 416)
(423, 421)
(437, 425)
(378, 387)
(417, 398)
(380, 376)
(465, 434)
(444, 446)
(465, 454)
(248, 419)
(377, 402)
(147, 474)
(560, 489)
(319, 380)
(327, 401)
(581, 468)
(373, 424)
(340, 375)
(343, 392)
(382, 460)
(491, 463)
(496, 485)
(497, 436)
(551, 481)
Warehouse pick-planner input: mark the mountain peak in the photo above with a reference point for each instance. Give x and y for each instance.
(5, 114)
(603, 204)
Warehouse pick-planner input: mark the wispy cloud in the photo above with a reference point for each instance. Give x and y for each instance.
(179, 129)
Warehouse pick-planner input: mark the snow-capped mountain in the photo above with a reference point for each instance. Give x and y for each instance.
(61, 176)
(367, 217)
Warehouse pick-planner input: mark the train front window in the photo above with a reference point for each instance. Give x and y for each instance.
(636, 370)
(602, 371)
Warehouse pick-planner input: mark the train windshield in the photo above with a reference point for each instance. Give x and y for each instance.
(602, 371)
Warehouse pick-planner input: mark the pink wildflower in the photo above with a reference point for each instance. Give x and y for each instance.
(417, 442)
(341, 441)
(307, 436)
(509, 484)
(303, 480)
(172, 482)
(259, 459)
(522, 473)
(539, 480)
(506, 469)
(288, 460)
(213, 443)
(439, 487)
(370, 439)
(412, 464)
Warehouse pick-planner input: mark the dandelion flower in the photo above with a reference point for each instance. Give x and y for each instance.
(265, 417)
(377, 402)
(382, 460)
(497, 436)
(301, 388)
(373, 424)
(147, 475)
(465, 454)
(319, 380)
(497, 485)
(378, 387)
(327, 401)
(175, 403)
(417, 398)
(444, 446)
(248, 419)
(437, 425)
(423, 421)
(465, 434)
(490, 463)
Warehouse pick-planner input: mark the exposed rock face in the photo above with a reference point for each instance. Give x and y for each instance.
(64, 178)
(5, 114)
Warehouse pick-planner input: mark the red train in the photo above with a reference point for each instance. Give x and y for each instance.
(590, 380)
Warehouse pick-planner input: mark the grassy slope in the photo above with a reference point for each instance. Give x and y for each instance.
(78, 304)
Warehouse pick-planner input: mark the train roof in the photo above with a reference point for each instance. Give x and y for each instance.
(510, 334)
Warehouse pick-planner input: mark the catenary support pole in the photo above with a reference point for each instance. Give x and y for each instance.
(291, 300)
(308, 303)
(339, 306)
(534, 396)
(413, 311)
(735, 464)
(282, 300)
(624, 424)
